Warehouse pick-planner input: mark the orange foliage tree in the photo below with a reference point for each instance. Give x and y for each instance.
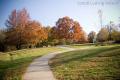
(34, 33)
(78, 35)
(23, 31)
(68, 29)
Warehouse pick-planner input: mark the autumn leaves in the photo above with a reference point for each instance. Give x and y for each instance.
(70, 30)
(23, 32)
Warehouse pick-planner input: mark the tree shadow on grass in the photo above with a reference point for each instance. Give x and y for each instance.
(76, 55)
(110, 72)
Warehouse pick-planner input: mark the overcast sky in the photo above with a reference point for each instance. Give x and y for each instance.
(49, 11)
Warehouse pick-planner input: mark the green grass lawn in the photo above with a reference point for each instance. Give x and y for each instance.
(13, 64)
(93, 63)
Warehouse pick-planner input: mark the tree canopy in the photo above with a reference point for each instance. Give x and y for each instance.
(68, 29)
(23, 31)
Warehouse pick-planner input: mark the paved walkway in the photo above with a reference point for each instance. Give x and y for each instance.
(39, 68)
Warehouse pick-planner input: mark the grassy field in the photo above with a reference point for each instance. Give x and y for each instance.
(13, 64)
(81, 46)
(93, 63)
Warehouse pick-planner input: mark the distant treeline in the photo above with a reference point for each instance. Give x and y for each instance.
(23, 32)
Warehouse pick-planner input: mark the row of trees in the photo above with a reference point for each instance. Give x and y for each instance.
(23, 32)
(110, 32)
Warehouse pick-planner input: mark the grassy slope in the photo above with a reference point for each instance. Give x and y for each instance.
(13, 67)
(95, 63)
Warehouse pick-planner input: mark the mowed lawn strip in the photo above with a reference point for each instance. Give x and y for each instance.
(13, 64)
(94, 63)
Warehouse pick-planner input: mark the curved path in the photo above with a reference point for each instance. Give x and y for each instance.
(39, 68)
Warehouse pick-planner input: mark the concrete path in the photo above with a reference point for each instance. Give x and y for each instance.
(39, 68)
